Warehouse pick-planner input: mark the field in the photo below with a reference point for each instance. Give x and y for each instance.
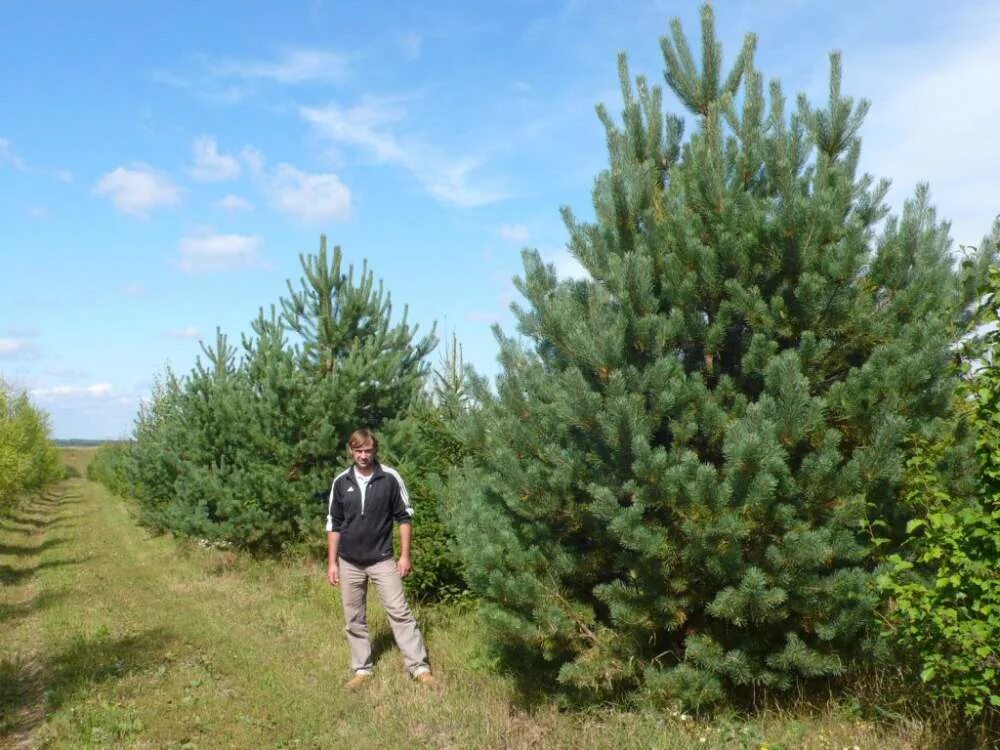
(111, 637)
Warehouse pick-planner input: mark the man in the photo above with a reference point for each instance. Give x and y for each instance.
(364, 501)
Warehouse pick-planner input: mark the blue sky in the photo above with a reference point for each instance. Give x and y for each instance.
(163, 164)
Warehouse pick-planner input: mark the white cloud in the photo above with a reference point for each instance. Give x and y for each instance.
(254, 158)
(450, 181)
(292, 67)
(38, 213)
(224, 94)
(17, 348)
(210, 165)
(231, 81)
(133, 290)
(207, 251)
(137, 189)
(517, 233)
(189, 332)
(360, 126)
(364, 125)
(234, 203)
(313, 198)
(9, 157)
(97, 390)
(566, 264)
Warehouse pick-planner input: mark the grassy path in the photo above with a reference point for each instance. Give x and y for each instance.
(23, 541)
(114, 638)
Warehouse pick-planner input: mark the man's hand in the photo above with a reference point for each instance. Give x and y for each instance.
(403, 566)
(333, 571)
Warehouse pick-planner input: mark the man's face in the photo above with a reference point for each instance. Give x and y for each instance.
(363, 455)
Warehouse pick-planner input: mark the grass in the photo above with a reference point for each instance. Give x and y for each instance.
(111, 637)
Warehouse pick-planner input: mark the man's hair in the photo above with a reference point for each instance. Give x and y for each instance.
(360, 437)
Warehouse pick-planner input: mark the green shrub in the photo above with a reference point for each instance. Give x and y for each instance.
(111, 466)
(945, 584)
(28, 458)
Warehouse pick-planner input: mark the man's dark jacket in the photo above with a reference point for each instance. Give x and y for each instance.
(365, 523)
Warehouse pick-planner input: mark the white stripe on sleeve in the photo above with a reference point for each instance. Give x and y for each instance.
(403, 492)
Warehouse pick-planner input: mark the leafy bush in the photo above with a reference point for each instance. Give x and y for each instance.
(111, 466)
(945, 585)
(28, 458)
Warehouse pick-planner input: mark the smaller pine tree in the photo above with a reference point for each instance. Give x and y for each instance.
(425, 446)
(241, 448)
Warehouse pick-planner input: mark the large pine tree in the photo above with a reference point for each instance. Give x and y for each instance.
(685, 448)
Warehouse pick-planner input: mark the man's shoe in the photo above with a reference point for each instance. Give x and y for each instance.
(426, 679)
(357, 682)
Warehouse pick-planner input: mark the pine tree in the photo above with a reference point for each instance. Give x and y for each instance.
(425, 446)
(361, 368)
(158, 438)
(681, 460)
(241, 448)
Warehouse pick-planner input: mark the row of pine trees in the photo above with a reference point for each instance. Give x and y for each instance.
(688, 476)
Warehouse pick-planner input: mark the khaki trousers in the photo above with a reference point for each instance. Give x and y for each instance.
(389, 586)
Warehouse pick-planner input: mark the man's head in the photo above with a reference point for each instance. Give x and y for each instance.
(363, 446)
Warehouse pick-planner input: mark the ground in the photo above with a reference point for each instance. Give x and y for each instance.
(111, 636)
